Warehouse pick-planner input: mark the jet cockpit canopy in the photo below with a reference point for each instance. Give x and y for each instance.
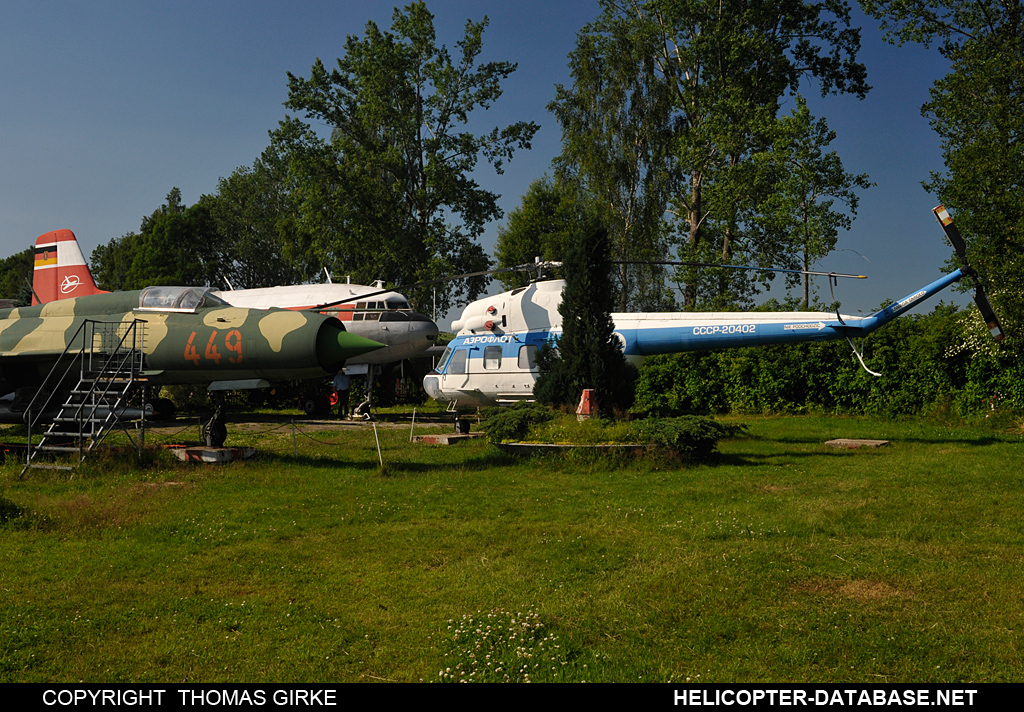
(178, 299)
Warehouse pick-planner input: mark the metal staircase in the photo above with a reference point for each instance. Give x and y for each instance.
(86, 394)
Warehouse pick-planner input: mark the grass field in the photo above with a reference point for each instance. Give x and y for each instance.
(778, 561)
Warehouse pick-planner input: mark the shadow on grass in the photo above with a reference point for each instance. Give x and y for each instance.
(322, 462)
(979, 441)
(747, 459)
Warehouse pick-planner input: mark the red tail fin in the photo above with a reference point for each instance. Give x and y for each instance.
(60, 270)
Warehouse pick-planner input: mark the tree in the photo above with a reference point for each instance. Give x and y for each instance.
(691, 88)
(16, 277)
(614, 140)
(257, 218)
(978, 111)
(544, 225)
(588, 354)
(806, 183)
(391, 195)
(174, 246)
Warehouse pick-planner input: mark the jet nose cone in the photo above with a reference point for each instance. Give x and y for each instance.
(355, 345)
(334, 346)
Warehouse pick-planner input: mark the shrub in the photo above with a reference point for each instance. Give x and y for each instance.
(513, 422)
(691, 437)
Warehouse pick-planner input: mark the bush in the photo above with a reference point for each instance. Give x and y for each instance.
(687, 437)
(922, 370)
(514, 422)
(690, 437)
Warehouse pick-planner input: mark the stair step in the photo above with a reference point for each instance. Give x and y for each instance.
(92, 405)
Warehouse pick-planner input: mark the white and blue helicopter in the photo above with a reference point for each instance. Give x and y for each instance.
(492, 359)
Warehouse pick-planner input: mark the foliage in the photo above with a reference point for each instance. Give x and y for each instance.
(391, 194)
(588, 353)
(978, 111)
(690, 437)
(514, 422)
(806, 183)
(614, 141)
(16, 277)
(257, 220)
(544, 226)
(671, 99)
(922, 370)
(174, 246)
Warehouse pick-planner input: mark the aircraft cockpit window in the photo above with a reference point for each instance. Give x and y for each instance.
(528, 358)
(178, 299)
(458, 363)
(444, 356)
(389, 304)
(492, 357)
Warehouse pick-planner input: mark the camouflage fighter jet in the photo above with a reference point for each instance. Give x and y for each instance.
(188, 335)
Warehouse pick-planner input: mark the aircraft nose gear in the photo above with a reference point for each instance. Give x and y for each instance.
(215, 432)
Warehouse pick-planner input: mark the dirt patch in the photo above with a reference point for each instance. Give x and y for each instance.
(857, 590)
(862, 590)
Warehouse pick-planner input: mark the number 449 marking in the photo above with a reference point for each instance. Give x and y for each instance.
(232, 344)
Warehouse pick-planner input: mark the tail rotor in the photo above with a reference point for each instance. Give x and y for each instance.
(960, 247)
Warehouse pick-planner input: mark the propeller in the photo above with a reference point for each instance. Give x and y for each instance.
(960, 247)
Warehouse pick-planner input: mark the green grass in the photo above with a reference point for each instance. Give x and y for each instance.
(779, 560)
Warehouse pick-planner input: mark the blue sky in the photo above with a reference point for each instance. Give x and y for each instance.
(108, 105)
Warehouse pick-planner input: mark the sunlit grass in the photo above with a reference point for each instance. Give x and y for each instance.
(779, 560)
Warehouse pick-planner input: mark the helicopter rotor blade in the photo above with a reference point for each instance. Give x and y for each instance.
(677, 263)
(441, 280)
(960, 247)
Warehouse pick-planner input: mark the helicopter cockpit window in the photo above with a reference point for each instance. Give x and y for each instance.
(458, 362)
(177, 299)
(396, 303)
(444, 356)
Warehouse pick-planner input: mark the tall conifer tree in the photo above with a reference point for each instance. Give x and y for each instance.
(589, 354)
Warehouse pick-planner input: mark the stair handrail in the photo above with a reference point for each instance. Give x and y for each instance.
(79, 354)
(129, 355)
(87, 325)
